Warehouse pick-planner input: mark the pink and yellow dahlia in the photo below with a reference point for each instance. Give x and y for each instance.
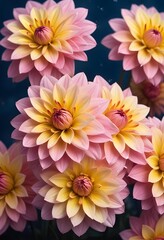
(138, 40)
(149, 186)
(86, 194)
(46, 39)
(149, 226)
(150, 95)
(16, 194)
(61, 120)
(128, 117)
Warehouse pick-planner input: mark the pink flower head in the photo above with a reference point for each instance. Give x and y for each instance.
(86, 194)
(138, 40)
(60, 120)
(46, 39)
(16, 194)
(149, 226)
(128, 118)
(149, 186)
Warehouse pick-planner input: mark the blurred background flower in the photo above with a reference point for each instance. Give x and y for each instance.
(148, 226)
(150, 95)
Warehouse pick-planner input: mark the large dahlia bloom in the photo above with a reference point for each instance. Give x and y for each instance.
(45, 39)
(149, 186)
(138, 41)
(150, 95)
(149, 226)
(128, 117)
(16, 193)
(60, 120)
(86, 194)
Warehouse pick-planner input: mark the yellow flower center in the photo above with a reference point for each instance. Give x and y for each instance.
(152, 38)
(82, 185)
(151, 91)
(161, 163)
(6, 183)
(62, 119)
(118, 117)
(43, 35)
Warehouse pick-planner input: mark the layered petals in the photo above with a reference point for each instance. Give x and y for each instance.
(46, 39)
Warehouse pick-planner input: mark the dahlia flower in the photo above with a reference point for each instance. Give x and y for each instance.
(86, 194)
(150, 95)
(149, 187)
(124, 112)
(138, 40)
(16, 194)
(46, 39)
(60, 120)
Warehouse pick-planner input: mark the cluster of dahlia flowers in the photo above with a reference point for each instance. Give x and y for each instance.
(84, 149)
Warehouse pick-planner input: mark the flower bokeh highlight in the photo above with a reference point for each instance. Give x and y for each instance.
(46, 39)
(16, 194)
(86, 194)
(138, 40)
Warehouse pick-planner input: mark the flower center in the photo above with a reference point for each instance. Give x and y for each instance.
(118, 117)
(62, 119)
(161, 163)
(43, 35)
(82, 185)
(151, 91)
(6, 183)
(152, 38)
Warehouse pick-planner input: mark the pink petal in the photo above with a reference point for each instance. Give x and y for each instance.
(25, 65)
(118, 24)
(130, 62)
(57, 151)
(140, 173)
(74, 153)
(46, 212)
(142, 191)
(151, 69)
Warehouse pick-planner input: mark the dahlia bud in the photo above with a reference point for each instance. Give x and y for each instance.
(118, 117)
(161, 164)
(6, 183)
(152, 38)
(151, 91)
(43, 35)
(82, 185)
(62, 119)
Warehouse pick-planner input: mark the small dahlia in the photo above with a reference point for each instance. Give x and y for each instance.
(150, 95)
(138, 40)
(46, 39)
(60, 120)
(128, 117)
(16, 194)
(149, 226)
(86, 194)
(149, 186)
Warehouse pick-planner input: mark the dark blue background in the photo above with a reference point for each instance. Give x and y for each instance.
(100, 11)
